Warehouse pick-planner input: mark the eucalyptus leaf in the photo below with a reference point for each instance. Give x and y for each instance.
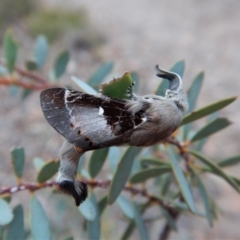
(146, 162)
(98, 76)
(97, 160)
(126, 206)
(84, 86)
(145, 174)
(38, 163)
(229, 161)
(31, 65)
(183, 184)
(194, 90)
(41, 50)
(60, 64)
(6, 215)
(200, 113)
(205, 197)
(211, 128)
(93, 227)
(171, 222)
(122, 173)
(102, 204)
(47, 171)
(18, 159)
(139, 223)
(88, 209)
(40, 227)
(214, 168)
(10, 50)
(15, 229)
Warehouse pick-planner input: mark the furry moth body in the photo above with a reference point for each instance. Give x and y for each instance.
(91, 122)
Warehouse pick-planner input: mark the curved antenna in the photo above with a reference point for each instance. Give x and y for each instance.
(174, 79)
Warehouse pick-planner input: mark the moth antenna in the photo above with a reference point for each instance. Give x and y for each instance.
(66, 179)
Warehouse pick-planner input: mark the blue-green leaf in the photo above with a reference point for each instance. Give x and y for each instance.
(211, 128)
(102, 204)
(114, 158)
(146, 162)
(97, 160)
(10, 50)
(84, 86)
(176, 68)
(194, 91)
(126, 206)
(200, 113)
(88, 209)
(47, 171)
(15, 229)
(214, 168)
(18, 159)
(93, 227)
(6, 215)
(145, 174)
(41, 50)
(39, 222)
(123, 171)
(31, 65)
(205, 197)
(38, 163)
(183, 184)
(140, 224)
(171, 222)
(99, 75)
(61, 64)
(229, 161)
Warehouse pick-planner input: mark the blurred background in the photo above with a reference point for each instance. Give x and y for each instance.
(136, 35)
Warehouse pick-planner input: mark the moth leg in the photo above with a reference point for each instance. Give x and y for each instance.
(66, 179)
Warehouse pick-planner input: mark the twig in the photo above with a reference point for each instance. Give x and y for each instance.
(8, 82)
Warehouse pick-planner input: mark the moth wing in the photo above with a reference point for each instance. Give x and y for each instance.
(88, 121)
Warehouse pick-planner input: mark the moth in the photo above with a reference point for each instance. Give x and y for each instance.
(89, 122)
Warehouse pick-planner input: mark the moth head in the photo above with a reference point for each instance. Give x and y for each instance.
(175, 91)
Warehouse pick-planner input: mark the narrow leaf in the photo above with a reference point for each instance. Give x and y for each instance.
(215, 169)
(88, 209)
(205, 197)
(200, 113)
(18, 159)
(31, 65)
(15, 229)
(97, 160)
(122, 173)
(10, 50)
(47, 171)
(146, 162)
(145, 174)
(61, 64)
(38, 163)
(139, 222)
(194, 90)
(39, 222)
(98, 76)
(84, 86)
(126, 206)
(183, 184)
(93, 227)
(102, 204)
(164, 85)
(211, 128)
(114, 158)
(41, 50)
(6, 215)
(165, 182)
(229, 161)
(171, 222)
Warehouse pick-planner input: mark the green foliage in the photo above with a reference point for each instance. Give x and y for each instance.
(167, 175)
